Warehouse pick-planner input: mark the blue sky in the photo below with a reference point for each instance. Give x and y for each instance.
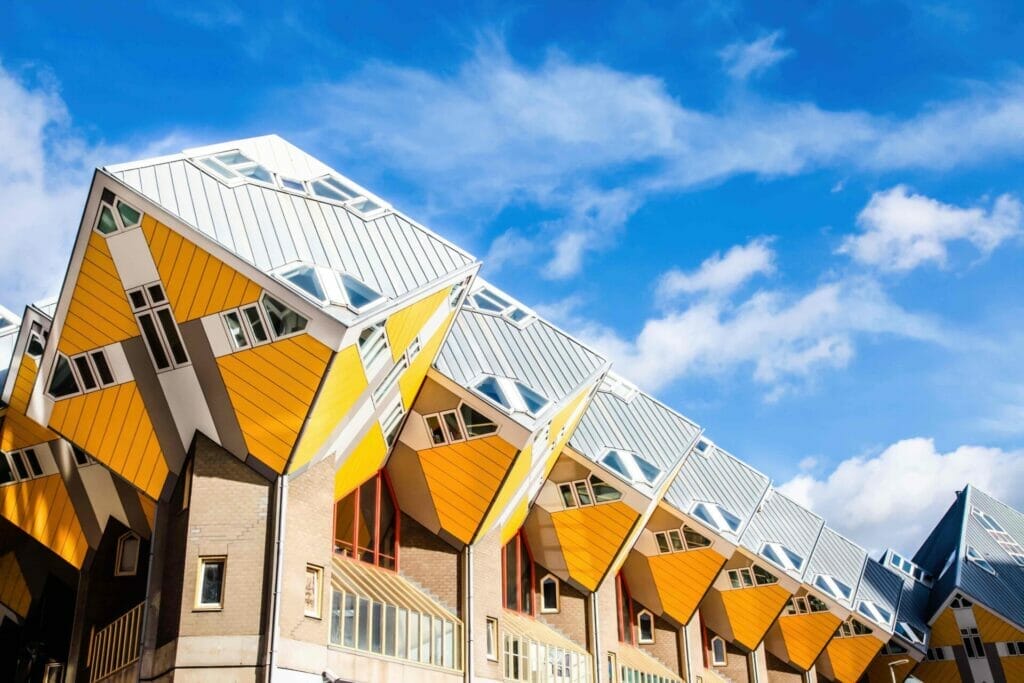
(800, 228)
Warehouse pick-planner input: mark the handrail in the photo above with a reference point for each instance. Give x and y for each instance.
(115, 646)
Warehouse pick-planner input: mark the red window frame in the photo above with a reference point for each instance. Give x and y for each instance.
(351, 548)
(520, 544)
(625, 615)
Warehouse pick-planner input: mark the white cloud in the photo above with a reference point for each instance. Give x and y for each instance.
(721, 273)
(894, 498)
(45, 169)
(901, 230)
(742, 60)
(561, 134)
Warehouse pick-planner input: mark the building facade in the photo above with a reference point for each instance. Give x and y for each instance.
(273, 428)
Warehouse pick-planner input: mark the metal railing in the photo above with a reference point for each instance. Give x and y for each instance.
(116, 646)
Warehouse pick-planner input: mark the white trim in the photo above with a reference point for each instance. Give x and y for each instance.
(715, 661)
(558, 594)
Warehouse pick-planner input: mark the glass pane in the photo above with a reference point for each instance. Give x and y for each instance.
(256, 172)
(584, 493)
(677, 541)
(307, 280)
(449, 644)
(129, 555)
(217, 168)
(401, 633)
(350, 620)
(153, 341)
(171, 334)
(19, 465)
(389, 630)
(490, 388)
(283, 320)
(603, 493)
(129, 216)
(63, 382)
(364, 205)
(234, 324)
(35, 346)
(424, 638)
(102, 368)
(213, 577)
(694, 540)
(550, 593)
(663, 546)
(138, 299)
(438, 642)
(335, 618)
(414, 636)
(340, 187)
(252, 316)
(534, 401)
(568, 500)
(107, 224)
(613, 461)
(649, 471)
(321, 189)
(233, 158)
(437, 436)
(85, 372)
(476, 424)
(388, 521)
(367, 520)
(33, 463)
(483, 302)
(156, 294)
(290, 184)
(363, 625)
(377, 628)
(451, 422)
(358, 294)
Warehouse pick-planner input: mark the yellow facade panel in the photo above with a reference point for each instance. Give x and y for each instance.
(514, 479)
(403, 326)
(682, 579)
(590, 538)
(752, 611)
(881, 672)
(994, 629)
(806, 635)
(14, 593)
(42, 508)
(850, 657)
(98, 314)
(362, 463)
(412, 379)
(945, 630)
(88, 419)
(1013, 668)
(938, 672)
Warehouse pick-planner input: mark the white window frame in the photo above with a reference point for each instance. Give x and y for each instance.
(391, 420)
(390, 380)
(118, 219)
(718, 521)
(873, 611)
(317, 572)
(491, 636)
(245, 324)
(508, 388)
(974, 555)
(544, 608)
(229, 172)
(782, 552)
(374, 351)
(669, 534)
(960, 602)
(359, 196)
(153, 308)
(460, 423)
(509, 309)
(910, 633)
(831, 587)
(640, 631)
(715, 661)
(635, 473)
(121, 554)
(200, 606)
(972, 641)
(20, 456)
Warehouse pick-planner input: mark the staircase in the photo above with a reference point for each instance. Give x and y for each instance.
(114, 650)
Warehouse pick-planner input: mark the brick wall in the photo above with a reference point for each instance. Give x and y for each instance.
(665, 647)
(737, 665)
(487, 602)
(571, 618)
(780, 672)
(430, 563)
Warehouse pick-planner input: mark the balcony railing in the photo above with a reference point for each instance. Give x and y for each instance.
(116, 646)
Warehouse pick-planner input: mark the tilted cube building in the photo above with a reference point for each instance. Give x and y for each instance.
(273, 428)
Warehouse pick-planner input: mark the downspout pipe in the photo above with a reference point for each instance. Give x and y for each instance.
(281, 492)
(595, 636)
(467, 624)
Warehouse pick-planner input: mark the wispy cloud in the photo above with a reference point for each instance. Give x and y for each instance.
(901, 230)
(894, 497)
(743, 60)
(589, 144)
(721, 273)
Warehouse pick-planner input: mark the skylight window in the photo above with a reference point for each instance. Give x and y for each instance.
(306, 280)
(782, 556)
(618, 386)
(717, 517)
(510, 394)
(996, 531)
(327, 286)
(630, 466)
(910, 633)
(874, 611)
(977, 558)
(704, 447)
(486, 299)
(905, 566)
(291, 184)
(233, 165)
(330, 187)
(5, 323)
(358, 294)
(833, 587)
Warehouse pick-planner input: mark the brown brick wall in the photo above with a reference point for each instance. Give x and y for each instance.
(780, 672)
(571, 618)
(430, 563)
(666, 644)
(487, 602)
(737, 665)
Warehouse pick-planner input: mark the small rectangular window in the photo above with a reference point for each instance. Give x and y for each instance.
(255, 323)
(127, 555)
(234, 325)
(6, 472)
(153, 341)
(85, 372)
(19, 465)
(492, 639)
(718, 652)
(314, 581)
(170, 329)
(99, 359)
(210, 583)
(437, 435)
(568, 499)
(33, 463)
(451, 423)
(81, 457)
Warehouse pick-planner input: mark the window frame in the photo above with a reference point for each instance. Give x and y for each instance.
(715, 661)
(491, 639)
(199, 605)
(318, 609)
(573, 489)
(130, 535)
(120, 224)
(680, 533)
(972, 642)
(973, 555)
(88, 358)
(152, 309)
(712, 521)
(460, 422)
(508, 388)
(640, 637)
(351, 547)
(544, 608)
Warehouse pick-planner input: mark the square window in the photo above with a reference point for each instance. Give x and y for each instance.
(210, 583)
(314, 581)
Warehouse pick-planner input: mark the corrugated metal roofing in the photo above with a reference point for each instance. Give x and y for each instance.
(914, 606)
(778, 519)
(538, 354)
(269, 227)
(838, 557)
(882, 587)
(1003, 591)
(642, 425)
(718, 477)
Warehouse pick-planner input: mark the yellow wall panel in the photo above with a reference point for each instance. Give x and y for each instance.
(412, 379)
(683, 578)
(994, 629)
(806, 635)
(362, 463)
(752, 611)
(113, 426)
(850, 657)
(197, 283)
(14, 591)
(342, 386)
(879, 671)
(515, 520)
(42, 508)
(503, 498)
(938, 672)
(590, 537)
(98, 314)
(463, 478)
(272, 388)
(1013, 668)
(945, 631)
(403, 326)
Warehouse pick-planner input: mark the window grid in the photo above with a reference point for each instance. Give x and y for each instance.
(158, 326)
(461, 424)
(587, 492)
(382, 542)
(748, 577)
(972, 643)
(680, 540)
(537, 662)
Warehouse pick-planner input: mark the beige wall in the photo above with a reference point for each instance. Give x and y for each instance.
(487, 602)
(430, 563)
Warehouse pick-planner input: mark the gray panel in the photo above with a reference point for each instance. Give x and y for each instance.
(1004, 590)
(780, 520)
(718, 477)
(838, 557)
(880, 586)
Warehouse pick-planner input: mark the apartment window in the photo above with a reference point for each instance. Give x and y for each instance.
(246, 326)
(415, 346)
(1015, 648)
(549, 594)
(127, 563)
(746, 577)
(805, 605)
(35, 345)
(518, 574)
(313, 590)
(53, 673)
(82, 373)
(910, 633)
(81, 457)
(390, 380)
(716, 517)
(6, 471)
(936, 654)
(284, 322)
(333, 188)
(584, 492)
(613, 668)
(972, 643)
(645, 627)
(1005, 541)
(19, 466)
(210, 583)
(391, 420)
(450, 426)
(488, 300)
(367, 523)
(905, 566)
(630, 466)
(373, 347)
(674, 541)
(116, 215)
(492, 639)
(624, 607)
(63, 382)
(718, 652)
(851, 628)
(973, 555)
(159, 330)
(960, 602)
(510, 394)
(833, 587)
